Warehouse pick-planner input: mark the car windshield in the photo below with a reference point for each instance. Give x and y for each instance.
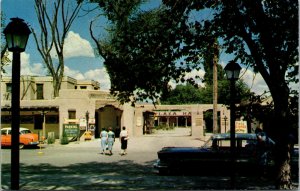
(208, 143)
(25, 131)
(220, 141)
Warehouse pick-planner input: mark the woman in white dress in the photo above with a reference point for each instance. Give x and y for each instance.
(103, 137)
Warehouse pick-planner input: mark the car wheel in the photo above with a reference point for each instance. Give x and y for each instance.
(21, 146)
(163, 171)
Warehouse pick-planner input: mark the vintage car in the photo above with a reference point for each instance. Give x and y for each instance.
(27, 138)
(213, 157)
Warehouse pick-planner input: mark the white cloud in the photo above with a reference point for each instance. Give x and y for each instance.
(255, 81)
(35, 69)
(192, 74)
(74, 73)
(76, 46)
(99, 75)
(38, 69)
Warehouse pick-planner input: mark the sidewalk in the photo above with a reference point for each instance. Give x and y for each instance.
(80, 166)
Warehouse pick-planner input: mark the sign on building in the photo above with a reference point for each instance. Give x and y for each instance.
(82, 123)
(92, 121)
(71, 130)
(240, 126)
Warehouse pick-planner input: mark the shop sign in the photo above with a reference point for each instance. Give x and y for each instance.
(241, 127)
(173, 113)
(71, 130)
(92, 121)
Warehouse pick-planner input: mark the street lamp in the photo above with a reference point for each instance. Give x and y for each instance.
(225, 119)
(87, 120)
(16, 34)
(232, 70)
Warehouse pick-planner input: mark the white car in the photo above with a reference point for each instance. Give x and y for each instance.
(27, 138)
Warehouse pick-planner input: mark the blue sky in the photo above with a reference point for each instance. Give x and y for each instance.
(80, 61)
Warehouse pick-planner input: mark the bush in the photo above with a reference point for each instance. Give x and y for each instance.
(164, 127)
(64, 140)
(51, 138)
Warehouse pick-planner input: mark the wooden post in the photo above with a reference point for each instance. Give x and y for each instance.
(215, 88)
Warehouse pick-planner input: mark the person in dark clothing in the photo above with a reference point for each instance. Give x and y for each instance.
(264, 145)
(123, 139)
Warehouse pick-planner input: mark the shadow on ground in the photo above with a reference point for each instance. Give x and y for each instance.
(122, 175)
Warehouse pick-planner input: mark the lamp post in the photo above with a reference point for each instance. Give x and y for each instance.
(16, 34)
(87, 120)
(232, 70)
(225, 120)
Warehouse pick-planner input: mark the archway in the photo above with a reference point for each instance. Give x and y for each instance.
(108, 116)
(208, 120)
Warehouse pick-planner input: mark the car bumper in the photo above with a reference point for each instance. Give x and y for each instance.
(33, 143)
(158, 165)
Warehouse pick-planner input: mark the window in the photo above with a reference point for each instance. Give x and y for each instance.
(6, 119)
(52, 119)
(8, 87)
(39, 91)
(38, 122)
(3, 132)
(83, 87)
(72, 114)
(26, 119)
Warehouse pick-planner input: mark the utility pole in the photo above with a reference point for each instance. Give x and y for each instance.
(215, 87)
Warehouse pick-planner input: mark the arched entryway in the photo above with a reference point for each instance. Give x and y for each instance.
(208, 121)
(108, 116)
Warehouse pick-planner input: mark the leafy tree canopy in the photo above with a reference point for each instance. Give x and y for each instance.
(147, 49)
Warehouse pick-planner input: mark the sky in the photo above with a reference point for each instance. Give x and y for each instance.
(80, 61)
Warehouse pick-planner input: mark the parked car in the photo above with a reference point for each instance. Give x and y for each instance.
(213, 157)
(27, 138)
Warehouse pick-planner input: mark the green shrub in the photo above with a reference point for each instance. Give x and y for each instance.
(64, 140)
(164, 127)
(51, 140)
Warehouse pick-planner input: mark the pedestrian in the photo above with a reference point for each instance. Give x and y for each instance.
(264, 147)
(123, 139)
(103, 137)
(110, 140)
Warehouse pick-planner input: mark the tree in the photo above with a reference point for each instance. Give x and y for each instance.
(189, 94)
(263, 35)
(53, 31)
(4, 54)
(141, 54)
(183, 94)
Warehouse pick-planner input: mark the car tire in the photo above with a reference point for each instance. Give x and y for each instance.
(21, 146)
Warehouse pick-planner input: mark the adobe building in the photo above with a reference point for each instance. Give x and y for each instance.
(82, 103)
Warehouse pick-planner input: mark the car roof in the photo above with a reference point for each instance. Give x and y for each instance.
(247, 136)
(7, 128)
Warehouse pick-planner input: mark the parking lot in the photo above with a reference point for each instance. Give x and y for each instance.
(81, 166)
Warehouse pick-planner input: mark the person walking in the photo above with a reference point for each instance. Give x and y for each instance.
(103, 137)
(110, 140)
(264, 146)
(123, 139)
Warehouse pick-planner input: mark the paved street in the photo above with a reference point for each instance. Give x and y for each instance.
(80, 166)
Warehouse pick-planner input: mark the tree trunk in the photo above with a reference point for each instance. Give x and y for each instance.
(280, 94)
(56, 85)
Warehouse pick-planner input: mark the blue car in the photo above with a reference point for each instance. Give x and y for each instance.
(215, 156)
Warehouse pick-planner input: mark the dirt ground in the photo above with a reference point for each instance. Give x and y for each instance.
(80, 166)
